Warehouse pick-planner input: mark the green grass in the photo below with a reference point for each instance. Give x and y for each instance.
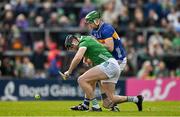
(61, 108)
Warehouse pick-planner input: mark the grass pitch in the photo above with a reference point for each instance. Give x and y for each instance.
(61, 108)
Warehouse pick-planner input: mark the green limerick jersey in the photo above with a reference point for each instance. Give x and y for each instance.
(95, 51)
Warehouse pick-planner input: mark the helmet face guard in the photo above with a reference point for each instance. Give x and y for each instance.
(89, 22)
(69, 41)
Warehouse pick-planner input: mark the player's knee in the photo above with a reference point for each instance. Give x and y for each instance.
(81, 80)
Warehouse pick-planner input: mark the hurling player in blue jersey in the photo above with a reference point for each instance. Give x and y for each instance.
(107, 35)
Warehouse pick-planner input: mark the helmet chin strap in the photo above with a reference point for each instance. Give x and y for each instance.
(97, 23)
(77, 39)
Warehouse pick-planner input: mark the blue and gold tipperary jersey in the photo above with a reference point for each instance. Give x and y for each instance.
(106, 31)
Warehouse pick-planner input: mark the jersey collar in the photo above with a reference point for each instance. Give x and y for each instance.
(102, 23)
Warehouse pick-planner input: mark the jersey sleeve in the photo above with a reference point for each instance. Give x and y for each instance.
(107, 32)
(83, 44)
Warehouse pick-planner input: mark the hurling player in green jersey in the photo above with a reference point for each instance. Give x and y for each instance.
(105, 67)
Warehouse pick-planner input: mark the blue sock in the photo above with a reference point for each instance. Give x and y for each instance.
(86, 102)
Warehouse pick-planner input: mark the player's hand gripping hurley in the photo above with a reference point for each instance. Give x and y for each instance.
(63, 75)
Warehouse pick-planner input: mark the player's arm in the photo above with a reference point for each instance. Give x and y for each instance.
(109, 44)
(87, 61)
(84, 60)
(107, 35)
(76, 60)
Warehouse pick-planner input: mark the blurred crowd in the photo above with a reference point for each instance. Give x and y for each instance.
(149, 29)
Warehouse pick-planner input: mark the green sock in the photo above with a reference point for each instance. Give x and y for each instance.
(95, 103)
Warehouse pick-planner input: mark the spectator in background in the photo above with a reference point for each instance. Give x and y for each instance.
(16, 43)
(123, 18)
(66, 2)
(39, 22)
(39, 59)
(160, 70)
(7, 67)
(178, 72)
(54, 59)
(115, 13)
(119, 6)
(20, 7)
(174, 18)
(140, 42)
(64, 21)
(31, 6)
(128, 42)
(3, 43)
(176, 42)
(169, 31)
(136, 2)
(167, 45)
(145, 71)
(46, 11)
(8, 20)
(153, 5)
(164, 23)
(22, 24)
(142, 55)
(1, 57)
(87, 7)
(177, 24)
(128, 70)
(28, 70)
(153, 19)
(2, 49)
(166, 5)
(131, 33)
(132, 59)
(32, 10)
(109, 14)
(18, 67)
(15, 32)
(7, 8)
(72, 19)
(139, 18)
(31, 18)
(155, 43)
(53, 21)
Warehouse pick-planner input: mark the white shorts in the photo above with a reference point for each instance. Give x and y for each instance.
(112, 68)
